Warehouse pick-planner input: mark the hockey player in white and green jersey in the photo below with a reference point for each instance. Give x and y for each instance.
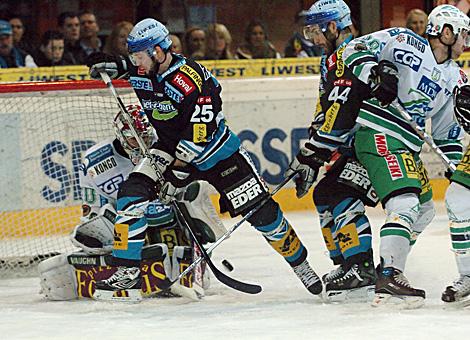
(389, 148)
(458, 204)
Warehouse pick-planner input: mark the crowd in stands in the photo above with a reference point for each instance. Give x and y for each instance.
(76, 37)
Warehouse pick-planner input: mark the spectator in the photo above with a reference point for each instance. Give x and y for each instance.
(11, 56)
(256, 45)
(89, 40)
(69, 26)
(51, 50)
(218, 44)
(18, 34)
(176, 46)
(416, 20)
(298, 46)
(195, 41)
(116, 43)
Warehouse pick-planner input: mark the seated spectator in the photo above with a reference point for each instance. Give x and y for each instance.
(51, 50)
(298, 46)
(69, 26)
(11, 56)
(256, 45)
(89, 40)
(176, 46)
(218, 42)
(416, 20)
(18, 28)
(195, 42)
(116, 43)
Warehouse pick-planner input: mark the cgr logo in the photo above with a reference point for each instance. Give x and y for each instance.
(407, 58)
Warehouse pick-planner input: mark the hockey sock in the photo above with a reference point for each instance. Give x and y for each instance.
(327, 224)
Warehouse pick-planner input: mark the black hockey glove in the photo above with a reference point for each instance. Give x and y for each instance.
(307, 163)
(462, 106)
(384, 82)
(114, 66)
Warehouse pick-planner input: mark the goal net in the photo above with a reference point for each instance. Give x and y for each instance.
(46, 128)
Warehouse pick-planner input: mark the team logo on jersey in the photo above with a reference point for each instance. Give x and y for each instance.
(428, 87)
(193, 75)
(393, 32)
(173, 93)
(435, 74)
(112, 184)
(183, 83)
(392, 162)
(140, 83)
(407, 58)
(400, 38)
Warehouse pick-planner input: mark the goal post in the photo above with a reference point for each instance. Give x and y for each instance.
(46, 128)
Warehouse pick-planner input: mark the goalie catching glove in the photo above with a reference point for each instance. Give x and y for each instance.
(98, 62)
(307, 163)
(462, 106)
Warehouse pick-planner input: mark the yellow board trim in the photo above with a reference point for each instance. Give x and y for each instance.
(61, 221)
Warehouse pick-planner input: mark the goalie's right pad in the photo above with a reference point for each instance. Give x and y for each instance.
(96, 235)
(200, 213)
(57, 277)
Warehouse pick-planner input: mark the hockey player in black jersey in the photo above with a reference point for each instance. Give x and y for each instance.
(182, 101)
(342, 194)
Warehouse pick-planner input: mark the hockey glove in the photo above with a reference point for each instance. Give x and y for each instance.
(177, 178)
(98, 62)
(462, 106)
(307, 163)
(384, 82)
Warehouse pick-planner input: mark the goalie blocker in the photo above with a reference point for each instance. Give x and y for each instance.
(168, 253)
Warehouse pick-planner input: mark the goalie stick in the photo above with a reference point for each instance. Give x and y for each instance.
(424, 136)
(228, 233)
(225, 279)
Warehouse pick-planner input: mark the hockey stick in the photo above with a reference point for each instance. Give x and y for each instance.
(424, 136)
(230, 231)
(225, 279)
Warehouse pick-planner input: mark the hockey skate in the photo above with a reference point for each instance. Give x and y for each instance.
(333, 274)
(458, 294)
(124, 285)
(308, 277)
(393, 288)
(357, 283)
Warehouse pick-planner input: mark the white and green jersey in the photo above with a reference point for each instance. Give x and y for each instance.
(424, 88)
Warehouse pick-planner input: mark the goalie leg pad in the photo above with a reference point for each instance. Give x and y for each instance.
(57, 279)
(95, 236)
(395, 234)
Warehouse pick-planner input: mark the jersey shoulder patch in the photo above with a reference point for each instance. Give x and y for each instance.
(98, 153)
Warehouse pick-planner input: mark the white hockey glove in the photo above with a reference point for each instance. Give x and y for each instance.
(159, 159)
(96, 235)
(307, 163)
(58, 280)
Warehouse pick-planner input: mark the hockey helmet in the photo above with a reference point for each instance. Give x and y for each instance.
(141, 125)
(324, 11)
(448, 15)
(147, 34)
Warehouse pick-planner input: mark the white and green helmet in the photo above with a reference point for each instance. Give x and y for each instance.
(447, 15)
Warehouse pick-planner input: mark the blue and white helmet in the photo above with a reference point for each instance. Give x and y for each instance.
(147, 34)
(324, 11)
(447, 15)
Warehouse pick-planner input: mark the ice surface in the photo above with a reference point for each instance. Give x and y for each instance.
(284, 310)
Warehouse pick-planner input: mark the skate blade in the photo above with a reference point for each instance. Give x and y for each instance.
(127, 296)
(463, 303)
(362, 294)
(397, 301)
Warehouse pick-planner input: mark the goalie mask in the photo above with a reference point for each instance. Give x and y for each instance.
(141, 125)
